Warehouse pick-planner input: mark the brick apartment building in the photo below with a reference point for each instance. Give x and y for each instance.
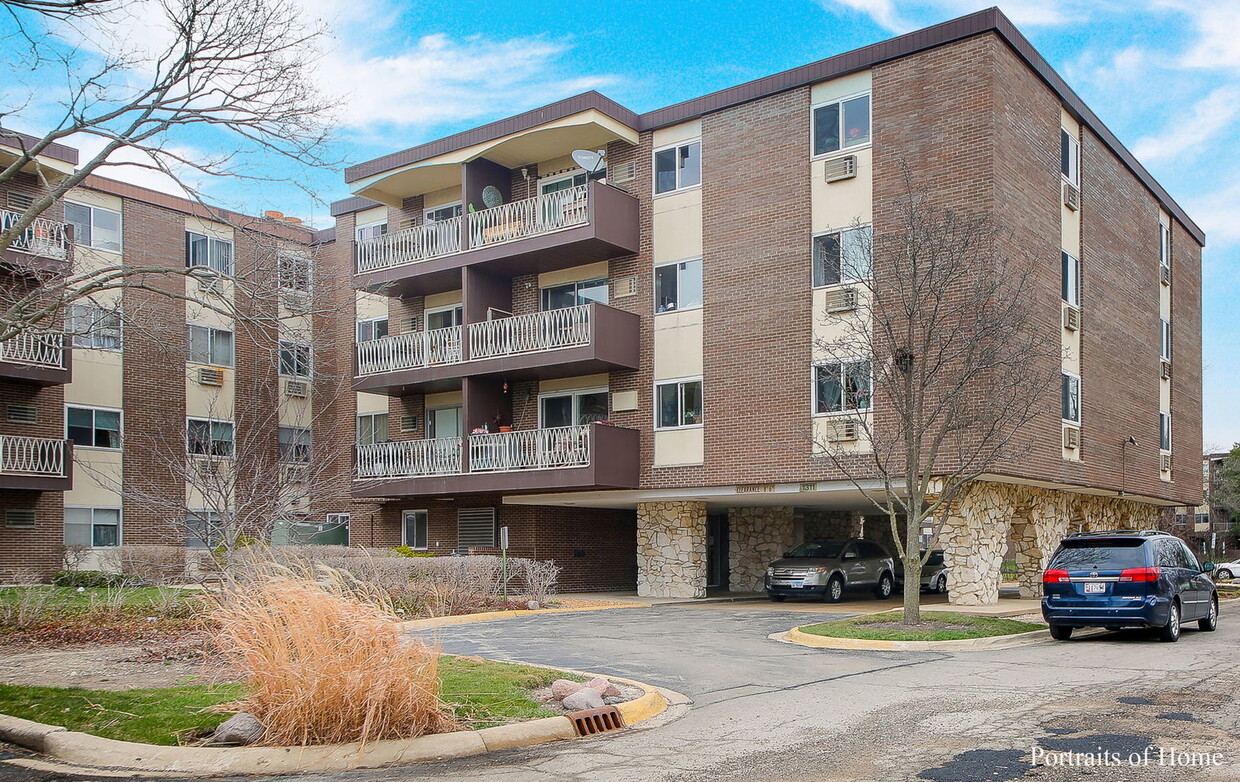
(1208, 527)
(622, 370)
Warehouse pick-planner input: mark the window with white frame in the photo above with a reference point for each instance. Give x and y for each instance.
(438, 214)
(554, 184)
(1165, 330)
(94, 327)
(571, 294)
(92, 527)
(93, 427)
(572, 408)
(678, 167)
(202, 528)
(444, 317)
(294, 359)
(1070, 158)
(372, 428)
(414, 529)
(842, 386)
(370, 230)
(1070, 279)
(842, 256)
(209, 437)
(209, 345)
(1071, 398)
(841, 124)
(678, 403)
(294, 442)
(209, 252)
(678, 286)
(294, 273)
(1164, 246)
(1164, 432)
(94, 226)
(372, 328)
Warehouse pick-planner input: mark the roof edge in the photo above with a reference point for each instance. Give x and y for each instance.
(24, 141)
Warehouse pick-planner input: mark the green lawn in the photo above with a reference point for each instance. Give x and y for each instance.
(481, 694)
(961, 626)
(69, 599)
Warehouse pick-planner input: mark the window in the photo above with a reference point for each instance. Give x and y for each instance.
(202, 528)
(444, 317)
(93, 427)
(678, 286)
(852, 114)
(572, 408)
(94, 226)
(375, 328)
(207, 437)
(1071, 398)
(370, 231)
(1165, 331)
(842, 256)
(94, 527)
(294, 359)
(209, 252)
(1164, 246)
(843, 386)
(573, 293)
(209, 345)
(414, 534)
(294, 445)
(678, 167)
(1070, 279)
(557, 184)
(444, 422)
(1164, 431)
(1070, 158)
(678, 403)
(294, 273)
(372, 428)
(94, 327)
(440, 213)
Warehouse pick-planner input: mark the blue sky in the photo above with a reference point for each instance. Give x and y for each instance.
(1163, 74)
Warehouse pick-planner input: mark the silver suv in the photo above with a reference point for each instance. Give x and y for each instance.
(825, 568)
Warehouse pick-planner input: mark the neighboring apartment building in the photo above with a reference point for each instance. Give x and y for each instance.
(1208, 527)
(152, 409)
(622, 370)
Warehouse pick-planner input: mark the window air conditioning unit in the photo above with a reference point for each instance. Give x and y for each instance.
(840, 168)
(1071, 438)
(297, 389)
(1165, 274)
(295, 301)
(406, 224)
(1071, 197)
(842, 300)
(1166, 370)
(1071, 318)
(409, 423)
(1164, 462)
(210, 376)
(625, 286)
(844, 430)
(620, 173)
(208, 467)
(210, 283)
(295, 473)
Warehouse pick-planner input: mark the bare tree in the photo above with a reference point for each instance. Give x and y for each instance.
(933, 361)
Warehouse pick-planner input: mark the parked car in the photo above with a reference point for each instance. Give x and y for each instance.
(1124, 579)
(826, 568)
(933, 573)
(1227, 570)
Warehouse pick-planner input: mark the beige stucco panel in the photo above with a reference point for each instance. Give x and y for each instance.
(447, 195)
(209, 401)
(1069, 123)
(842, 87)
(444, 399)
(679, 446)
(208, 309)
(573, 383)
(832, 332)
(678, 344)
(678, 226)
(97, 378)
(295, 411)
(208, 227)
(444, 299)
(96, 478)
(822, 425)
(1071, 348)
(371, 403)
(98, 198)
(375, 214)
(371, 305)
(590, 271)
(1070, 231)
(842, 204)
(685, 131)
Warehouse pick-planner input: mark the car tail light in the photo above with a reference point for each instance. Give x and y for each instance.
(1054, 576)
(1139, 574)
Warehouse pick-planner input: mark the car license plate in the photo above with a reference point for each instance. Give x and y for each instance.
(798, 584)
(1095, 589)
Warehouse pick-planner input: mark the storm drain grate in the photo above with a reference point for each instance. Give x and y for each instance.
(590, 722)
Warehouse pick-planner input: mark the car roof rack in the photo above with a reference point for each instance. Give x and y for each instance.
(1109, 533)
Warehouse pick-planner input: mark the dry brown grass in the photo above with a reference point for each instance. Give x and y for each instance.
(325, 665)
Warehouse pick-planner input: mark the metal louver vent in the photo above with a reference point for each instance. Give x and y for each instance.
(409, 423)
(1071, 197)
(620, 173)
(1071, 318)
(19, 519)
(842, 300)
(296, 389)
(475, 528)
(1165, 274)
(1165, 462)
(1071, 438)
(20, 201)
(1166, 370)
(210, 376)
(22, 414)
(843, 430)
(625, 286)
(840, 168)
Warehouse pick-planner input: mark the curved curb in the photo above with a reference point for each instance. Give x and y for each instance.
(89, 751)
(489, 616)
(795, 636)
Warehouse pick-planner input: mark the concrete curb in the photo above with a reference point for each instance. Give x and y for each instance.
(795, 636)
(87, 751)
(490, 616)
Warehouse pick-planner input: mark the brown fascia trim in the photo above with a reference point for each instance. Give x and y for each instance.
(281, 230)
(324, 236)
(352, 204)
(23, 141)
(988, 20)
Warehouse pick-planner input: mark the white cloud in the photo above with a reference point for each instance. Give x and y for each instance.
(1216, 214)
(883, 12)
(1207, 118)
(903, 16)
(135, 166)
(1216, 22)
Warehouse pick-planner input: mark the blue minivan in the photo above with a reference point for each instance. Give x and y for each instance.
(1123, 578)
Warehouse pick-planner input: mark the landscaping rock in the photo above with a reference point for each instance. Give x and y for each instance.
(240, 729)
(533, 605)
(562, 688)
(604, 687)
(585, 698)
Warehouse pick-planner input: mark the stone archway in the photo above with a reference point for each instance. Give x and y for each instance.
(671, 549)
(1036, 533)
(974, 539)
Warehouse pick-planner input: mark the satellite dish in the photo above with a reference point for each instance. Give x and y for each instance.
(590, 160)
(491, 197)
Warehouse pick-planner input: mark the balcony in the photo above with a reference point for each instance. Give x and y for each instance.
(580, 225)
(43, 246)
(579, 340)
(35, 463)
(589, 456)
(36, 357)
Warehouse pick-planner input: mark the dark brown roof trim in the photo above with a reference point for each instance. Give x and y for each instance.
(13, 138)
(324, 235)
(351, 204)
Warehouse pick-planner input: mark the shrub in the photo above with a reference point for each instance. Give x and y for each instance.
(25, 607)
(90, 579)
(147, 564)
(406, 551)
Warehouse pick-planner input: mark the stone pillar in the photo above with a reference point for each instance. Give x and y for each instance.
(974, 540)
(1037, 529)
(671, 549)
(757, 537)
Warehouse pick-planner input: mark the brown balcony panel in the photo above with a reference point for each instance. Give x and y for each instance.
(38, 374)
(611, 232)
(31, 481)
(614, 458)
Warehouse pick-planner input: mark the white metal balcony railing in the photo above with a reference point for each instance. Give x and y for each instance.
(504, 223)
(32, 456)
(35, 348)
(409, 351)
(410, 458)
(531, 333)
(47, 238)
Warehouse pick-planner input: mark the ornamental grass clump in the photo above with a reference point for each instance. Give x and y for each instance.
(325, 665)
